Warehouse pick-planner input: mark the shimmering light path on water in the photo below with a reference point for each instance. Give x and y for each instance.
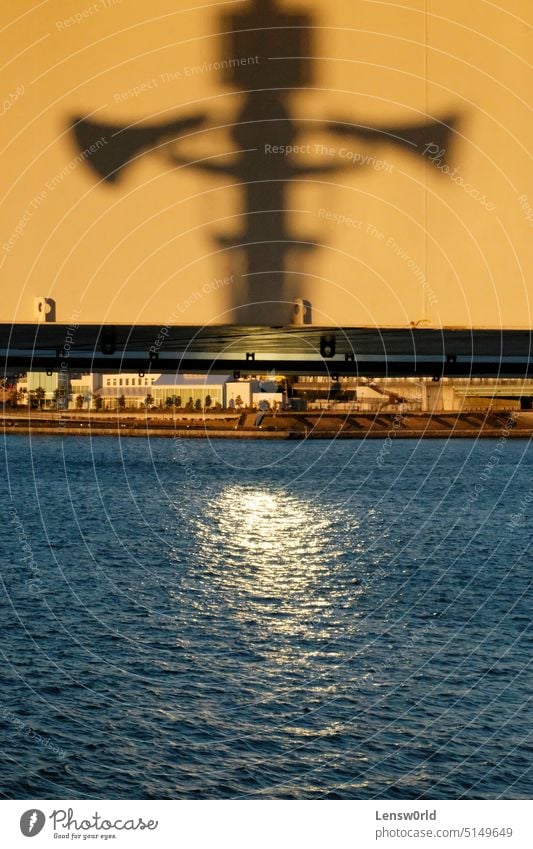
(196, 619)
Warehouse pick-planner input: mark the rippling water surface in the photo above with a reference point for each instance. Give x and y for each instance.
(219, 619)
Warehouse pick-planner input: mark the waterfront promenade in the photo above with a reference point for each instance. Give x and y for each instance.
(288, 425)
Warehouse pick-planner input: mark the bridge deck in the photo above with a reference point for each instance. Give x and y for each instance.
(298, 350)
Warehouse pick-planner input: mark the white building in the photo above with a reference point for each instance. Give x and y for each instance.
(133, 390)
(187, 391)
(43, 389)
(252, 393)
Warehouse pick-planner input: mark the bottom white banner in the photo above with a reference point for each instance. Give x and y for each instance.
(258, 824)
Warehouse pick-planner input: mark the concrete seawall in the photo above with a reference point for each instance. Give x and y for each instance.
(311, 425)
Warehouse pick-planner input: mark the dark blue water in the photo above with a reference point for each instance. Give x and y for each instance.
(195, 619)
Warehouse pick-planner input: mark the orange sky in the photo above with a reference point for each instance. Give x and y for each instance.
(401, 240)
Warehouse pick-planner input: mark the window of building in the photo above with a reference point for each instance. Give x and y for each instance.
(127, 382)
(120, 381)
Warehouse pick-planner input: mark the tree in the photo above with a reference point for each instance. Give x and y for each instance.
(97, 401)
(148, 401)
(208, 401)
(169, 402)
(198, 404)
(238, 402)
(79, 402)
(121, 402)
(189, 405)
(61, 398)
(37, 396)
(177, 401)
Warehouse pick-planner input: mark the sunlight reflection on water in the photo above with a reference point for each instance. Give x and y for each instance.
(325, 626)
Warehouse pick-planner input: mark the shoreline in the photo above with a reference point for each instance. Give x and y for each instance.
(284, 426)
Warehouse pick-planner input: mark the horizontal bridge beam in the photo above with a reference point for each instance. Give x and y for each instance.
(301, 350)
(335, 367)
